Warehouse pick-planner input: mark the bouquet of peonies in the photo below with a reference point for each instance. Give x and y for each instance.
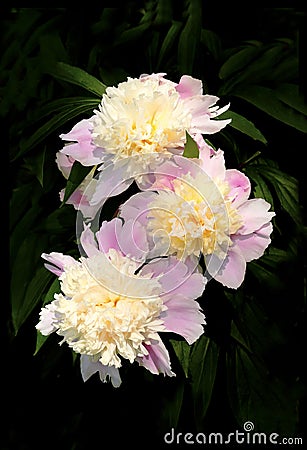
(191, 219)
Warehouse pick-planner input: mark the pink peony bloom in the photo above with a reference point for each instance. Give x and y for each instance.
(113, 306)
(138, 124)
(203, 208)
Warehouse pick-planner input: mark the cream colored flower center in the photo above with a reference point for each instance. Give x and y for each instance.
(140, 117)
(105, 324)
(196, 217)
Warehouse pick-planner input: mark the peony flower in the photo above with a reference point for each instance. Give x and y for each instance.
(202, 208)
(113, 305)
(138, 124)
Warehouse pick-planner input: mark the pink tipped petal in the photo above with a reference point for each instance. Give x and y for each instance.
(83, 149)
(219, 111)
(191, 287)
(240, 186)
(108, 235)
(200, 104)
(133, 240)
(88, 368)
(253, 245)
(113, 180)
(168, 270)
(231, 271)
(204, 124)
(80, 132)
(64, 163)
(58, 262)
(176, 277)
(204, 148)
(136, 207)
(214, 166)
(188, 86)
(255, 213)
(158, 360)
(88, 243)
(184, 317)
(48, 320)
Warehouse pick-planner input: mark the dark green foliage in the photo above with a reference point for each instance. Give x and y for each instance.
(55, 65)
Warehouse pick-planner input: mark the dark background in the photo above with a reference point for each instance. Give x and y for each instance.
(47, 404)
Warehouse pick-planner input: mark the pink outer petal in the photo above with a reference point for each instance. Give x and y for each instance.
(252, 246)
(83, 149)
(129, 238)
(88, 368)
(64, 163)
(58, 261)
(188, 86)
(231, 271)
(202, 111)
(113, 180)
(108, 235)
(48, 320)
(200, 104)
(206, 125)
(136, 207)
(254, 213)
(184, 317)
(79, 132)
(176, 277)
(158, 360)
(205, 149)
(215, 165)
(240, 187)
(88, 243)
(133, 240)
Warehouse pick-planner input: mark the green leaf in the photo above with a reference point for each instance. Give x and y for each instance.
(168, 42)
(77, 76)
(203, 366)
(40, 340)
(33, 293)
(261, 189)
(182, 350)
(54, 288)
(212, 42)
(132, 34)
(164, 13)
(290, 94)
(237, 336)
(190, 37)
(27, 221)
(256, 396)
(238, 61)
(266, 100)
(19, 203)
(286, 70)
(171, 404)
(244, 125)
(266, 276)
(191, 149)
(77, 174)
(27, 280)
(66, 103)
(286, 188)
(275, 256)
(49, 127)
(35, 164)
(258, 70)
